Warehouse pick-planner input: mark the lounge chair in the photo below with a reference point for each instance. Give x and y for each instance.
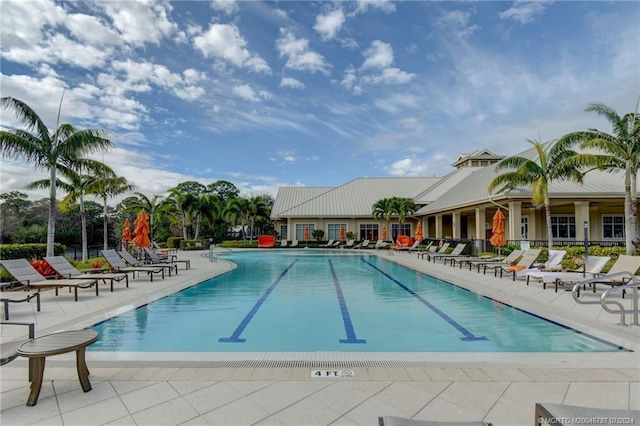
(9, 350)
(592, 266)
(284, 243)
(349, 244)
(362, 244)
(399, 421)
(337, 243)
(526, 261)
(294, 243)
(156, 258)
(621, 272)
(553, 261)
(117, 264)
(329, 244)
(441, 250)
(159, 263)
(495, 262)
(560, 414)
(380, 244)
(412, 247)
(62, 266)
(26, 274)
(457, 251)
(7, 297)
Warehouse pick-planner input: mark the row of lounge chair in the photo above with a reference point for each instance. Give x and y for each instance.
(121, 264)
(522, 264)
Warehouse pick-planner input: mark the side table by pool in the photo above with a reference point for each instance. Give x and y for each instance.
(55, 344)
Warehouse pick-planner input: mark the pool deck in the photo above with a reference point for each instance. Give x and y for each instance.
(278, 389)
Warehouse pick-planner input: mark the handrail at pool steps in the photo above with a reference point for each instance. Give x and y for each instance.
(632, 284)
(213, 257)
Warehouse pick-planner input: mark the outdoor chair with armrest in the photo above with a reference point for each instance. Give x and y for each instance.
(495, 262)
(18, 296)
(9, 349)
(62, 266)
(526, 261)
(554, 260)
(620, 273)
(156, 259)
(25, 273)
(131, 260)
(441, 250)
(117, 264)
(410, 248)
(362, 244)
(456, 253)
(593, 265)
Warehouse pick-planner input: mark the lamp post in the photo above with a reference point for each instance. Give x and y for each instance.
(586, 247)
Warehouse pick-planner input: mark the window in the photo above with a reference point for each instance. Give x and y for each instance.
(369, 231)
(283, 232)
(333, 230)
(613, 226)
(300, 230)
(563, 227)
(405, 230)
(524, 227)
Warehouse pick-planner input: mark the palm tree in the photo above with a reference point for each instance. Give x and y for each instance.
(185, 204)
(237, 210)
(106, 187)
(552, 162)
(384, 209)
(618, 151)
(256, 208)
(65, 147)
(77, 185)
(404, 207)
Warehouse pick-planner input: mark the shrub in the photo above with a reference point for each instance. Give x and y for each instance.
(29, 251)
(191, 244)
(174, 242)
(43, 267)
(317, 234)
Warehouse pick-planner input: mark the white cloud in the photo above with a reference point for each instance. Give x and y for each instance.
(458, 22)
(224, 41)
(92, 30)
(386, 6)
(23, 24)
(328, 25)
(407, 167)
(525, 11)
(287, 156)
(227, 6)
(378, 55)
(142, 21)
(291, 83)
(246, 92)
(299, 56)
(389, 76)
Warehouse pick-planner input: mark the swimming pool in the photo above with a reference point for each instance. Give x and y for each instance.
(309, 301)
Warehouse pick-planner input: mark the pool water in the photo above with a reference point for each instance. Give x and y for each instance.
(307, 301)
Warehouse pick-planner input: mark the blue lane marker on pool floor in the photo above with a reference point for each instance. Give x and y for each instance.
(235, 337)
(346, 318)
(468, 336)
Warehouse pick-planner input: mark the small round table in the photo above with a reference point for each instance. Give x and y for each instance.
(55, 344)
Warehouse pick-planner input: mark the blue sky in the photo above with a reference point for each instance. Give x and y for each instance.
(306, 93)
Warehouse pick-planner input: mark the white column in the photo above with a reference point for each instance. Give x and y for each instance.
(582, 215)
(439, 226)
(481, 219)
(515, 223)
(455, 221)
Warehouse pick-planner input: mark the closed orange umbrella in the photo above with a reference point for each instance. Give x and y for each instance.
(384, 233)
(141, 230)
(342, 233)
(306, 233)
(497, 239)
(419, 232)
(126, 230)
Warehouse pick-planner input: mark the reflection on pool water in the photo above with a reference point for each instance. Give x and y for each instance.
(307, 301)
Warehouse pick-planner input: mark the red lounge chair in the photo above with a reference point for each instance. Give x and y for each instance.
(265, 241)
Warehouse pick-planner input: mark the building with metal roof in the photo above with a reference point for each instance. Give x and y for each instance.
(459, 206)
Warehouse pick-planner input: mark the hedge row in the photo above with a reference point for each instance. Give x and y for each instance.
(29, 251)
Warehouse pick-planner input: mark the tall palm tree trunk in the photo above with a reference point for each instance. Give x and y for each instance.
(51, 226)
(105, 231)
(83, 225)
(547, 211)
(628, 225)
